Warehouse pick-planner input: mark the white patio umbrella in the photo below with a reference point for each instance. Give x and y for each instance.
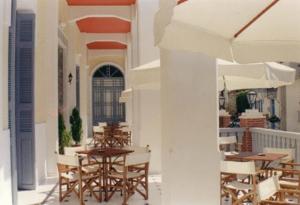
(125, 95)
(246, 31)
(234, 76)
(146, 76)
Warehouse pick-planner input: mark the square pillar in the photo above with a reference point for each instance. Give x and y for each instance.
(250, 119)
(224, 119)
(190, 157)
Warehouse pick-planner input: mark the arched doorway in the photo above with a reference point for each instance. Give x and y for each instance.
(108, 83)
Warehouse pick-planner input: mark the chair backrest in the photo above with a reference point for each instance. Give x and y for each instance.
(227, 140)
(137, 158)
(102, 124)
(68, 160)
(125, 129)
(137, 149)
(123, 124)
(98, 129)
(288, 151)
(238, 167)
(267, 188)
(72, 151)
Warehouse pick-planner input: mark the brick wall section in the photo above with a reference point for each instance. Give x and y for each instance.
(224, 121)
(249, 123)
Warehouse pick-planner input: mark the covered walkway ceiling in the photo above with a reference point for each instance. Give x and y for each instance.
(100, 2)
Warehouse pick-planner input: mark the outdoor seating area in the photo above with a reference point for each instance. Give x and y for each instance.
(267, 176)
(112, 135)
(108, 166)
(150, 102)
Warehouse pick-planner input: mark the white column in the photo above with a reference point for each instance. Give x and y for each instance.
(51, 78)
(190, 158)
(71, 68)
(146, 11)
(134, 37)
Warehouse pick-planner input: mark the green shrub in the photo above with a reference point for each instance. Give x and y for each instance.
(274, 119)
(76, 126)
(242, 102)
(66, 139)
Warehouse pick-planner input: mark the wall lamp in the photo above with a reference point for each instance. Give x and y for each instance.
(70, 78)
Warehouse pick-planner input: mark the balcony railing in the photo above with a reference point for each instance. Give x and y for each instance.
(275, 138)
(238, 132)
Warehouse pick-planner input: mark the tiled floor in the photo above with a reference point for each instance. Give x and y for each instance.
(38, 197)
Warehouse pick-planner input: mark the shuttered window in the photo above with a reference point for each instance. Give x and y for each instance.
(24, 100)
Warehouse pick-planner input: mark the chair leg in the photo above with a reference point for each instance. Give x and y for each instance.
(147, 187)
(125, 193)
(60, 189)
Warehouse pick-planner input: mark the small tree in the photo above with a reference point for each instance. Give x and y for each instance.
(61, 129)
(76, 126)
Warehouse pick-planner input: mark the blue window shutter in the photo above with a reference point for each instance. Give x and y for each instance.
(24, 100)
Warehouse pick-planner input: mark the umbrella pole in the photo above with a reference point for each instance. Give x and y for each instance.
(255, 18)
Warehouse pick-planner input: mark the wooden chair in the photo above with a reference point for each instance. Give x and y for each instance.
(72, 151)
(240, 191)
(102, 124)
(67, 172)
(126, 132)
(98, 136)
(130, 175)
(289, 178)
(78, 177)
(270, 193)
(229, 144)
(286, 162)
(290, 153)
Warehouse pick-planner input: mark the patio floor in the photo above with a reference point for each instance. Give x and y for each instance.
(44, 196)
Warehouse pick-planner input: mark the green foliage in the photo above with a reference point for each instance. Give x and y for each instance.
(61, 129)
(274, 119)
(66, 139)
(242, 102)
(76, 126)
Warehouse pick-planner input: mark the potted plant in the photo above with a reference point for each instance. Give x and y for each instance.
(274, 120)
(76, 126)
(242, 102)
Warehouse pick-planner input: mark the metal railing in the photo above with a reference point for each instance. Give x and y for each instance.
(262, 137)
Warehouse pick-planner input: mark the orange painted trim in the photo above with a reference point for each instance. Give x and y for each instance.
(104, 45)
(181, 1)
(103, 25)
(100, 2)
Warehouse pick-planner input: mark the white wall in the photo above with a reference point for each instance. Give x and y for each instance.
(5, 170)
(27, 5)
(146, 13)
(46, 78)
(293, 107)
(145, 105)
(150, 126)
(40, 153)
(190, 160)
